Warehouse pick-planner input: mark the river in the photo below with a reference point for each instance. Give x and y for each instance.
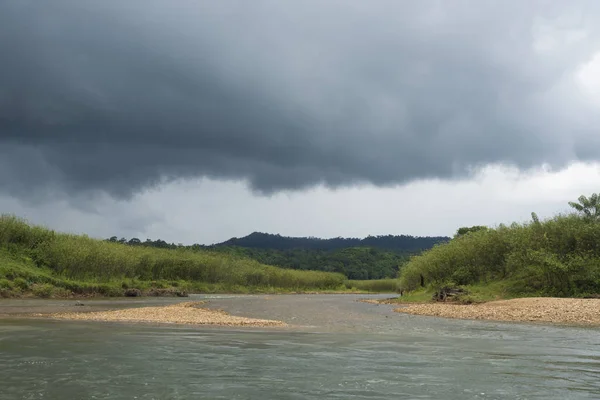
(335, 348)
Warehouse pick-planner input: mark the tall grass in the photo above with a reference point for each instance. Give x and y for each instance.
(559, 256)
(374, 285)
(81, 258)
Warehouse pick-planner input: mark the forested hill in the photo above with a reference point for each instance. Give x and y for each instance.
(373, 257)
(396, 243)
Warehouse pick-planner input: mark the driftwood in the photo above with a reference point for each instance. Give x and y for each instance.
(447, 293)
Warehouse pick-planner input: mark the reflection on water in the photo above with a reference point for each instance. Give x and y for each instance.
(426, 359)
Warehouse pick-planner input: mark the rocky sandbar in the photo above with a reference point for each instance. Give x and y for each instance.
(180, 313)
(535, 309)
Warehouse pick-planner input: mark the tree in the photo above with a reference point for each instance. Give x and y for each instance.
(464, 230)
(589, 207)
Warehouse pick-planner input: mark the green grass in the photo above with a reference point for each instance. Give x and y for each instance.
(416, 296)
(19, 276)
(35, 261)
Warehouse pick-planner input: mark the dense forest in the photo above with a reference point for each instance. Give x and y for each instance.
(398, 243)
(355, 263)
(559, 256)
(258, 240)
(374, 257)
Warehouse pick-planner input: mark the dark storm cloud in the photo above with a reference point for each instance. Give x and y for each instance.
(121, 95)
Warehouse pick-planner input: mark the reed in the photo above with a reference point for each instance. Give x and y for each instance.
(61, 258)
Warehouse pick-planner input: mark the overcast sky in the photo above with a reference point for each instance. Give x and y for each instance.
(195, 121)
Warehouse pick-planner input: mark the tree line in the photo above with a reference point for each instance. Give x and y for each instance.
(374, 257)
(358, 263)
(401, 243)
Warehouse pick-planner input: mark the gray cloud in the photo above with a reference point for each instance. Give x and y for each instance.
(120, 96)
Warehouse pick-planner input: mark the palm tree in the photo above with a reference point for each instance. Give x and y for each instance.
(589, 207)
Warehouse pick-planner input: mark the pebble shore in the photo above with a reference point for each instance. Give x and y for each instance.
(181, 313)
(535, 309)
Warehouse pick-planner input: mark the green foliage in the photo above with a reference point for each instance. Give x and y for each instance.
(420, 295)
(43, 258)
(464, 230)
(589, 207)
(42, 290)
(558, 257)
(374, 257)
(21, 284)
(357, 263)
(394, 243)
(6, 284)
(377, 286)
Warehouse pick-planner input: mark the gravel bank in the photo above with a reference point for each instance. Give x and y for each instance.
(536, 309)
(181, 313)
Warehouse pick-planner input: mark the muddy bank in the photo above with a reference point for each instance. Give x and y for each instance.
(537, 309)
(181, 313)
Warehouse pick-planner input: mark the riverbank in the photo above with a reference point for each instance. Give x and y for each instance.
(22, 277)
(188, 313)
(326, 311)
(35, 261)
(322, 312)
(536, 309)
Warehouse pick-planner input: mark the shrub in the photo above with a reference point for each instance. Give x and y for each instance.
(42, 290)
(6, 284)
(110, 290)
(21, 284)
(559, 257)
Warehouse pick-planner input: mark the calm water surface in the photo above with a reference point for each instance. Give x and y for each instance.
(340, 349)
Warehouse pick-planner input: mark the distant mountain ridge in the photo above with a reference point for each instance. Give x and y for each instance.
(401, 243)
(373, 257)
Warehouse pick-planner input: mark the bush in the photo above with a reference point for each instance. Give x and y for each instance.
(6, 284)
(21, 284)
(558, 257)
(44, 290)
(110, 290)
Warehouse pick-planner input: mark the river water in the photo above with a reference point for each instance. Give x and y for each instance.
(337, 348)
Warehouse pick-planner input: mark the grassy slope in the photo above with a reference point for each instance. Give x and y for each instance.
(40, 262)
(557, 257)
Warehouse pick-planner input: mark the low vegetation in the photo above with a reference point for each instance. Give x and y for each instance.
(374, 257)
(559, 256)
(38, 261)
(373, 285)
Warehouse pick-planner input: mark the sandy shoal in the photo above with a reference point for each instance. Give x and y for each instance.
(535, 309)
(181, 313)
